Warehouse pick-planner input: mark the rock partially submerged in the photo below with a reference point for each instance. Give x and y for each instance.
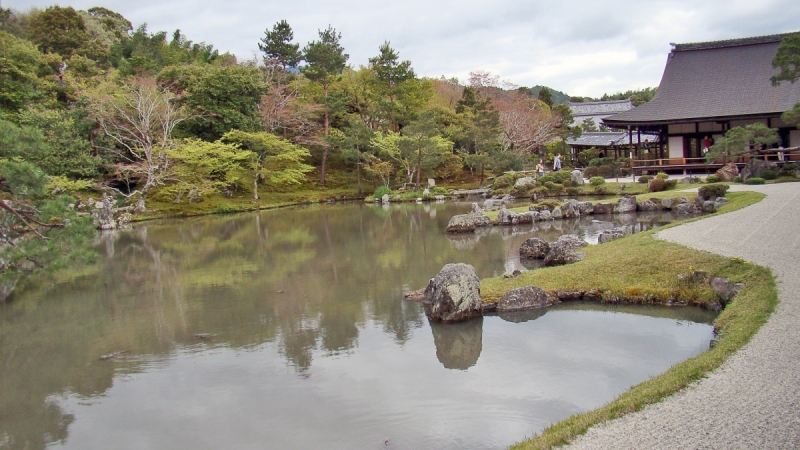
(524, 298)
(534, 248)
(454, 294)
(562, 251)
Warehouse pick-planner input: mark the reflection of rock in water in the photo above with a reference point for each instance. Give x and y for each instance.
(531, 264)
(458, 345)
(522, 316)
(463, 241)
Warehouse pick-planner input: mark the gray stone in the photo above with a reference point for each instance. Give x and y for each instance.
(476, 209)
(528, 297)
(586, 208)
(668, 203)
(481, 220)
(426, 192)
(534, 248)
(647, 205)
(431, 182)
(506, 217)
(709, 206)
(724, 289)
(576, 176)
(557, 214)
(525, 181)
(492, 204)
(461, 223)
(545, 215)
(562, 251)
(719, 202)
(385, 198)
(603, 208)
(691, 180)
(571, 210)
(454, 294)
(626, 204)
(439, 197)
(608, 236)
(686, 209)
(756, 167)
(523, 218)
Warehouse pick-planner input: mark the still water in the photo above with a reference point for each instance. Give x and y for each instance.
(288, 329)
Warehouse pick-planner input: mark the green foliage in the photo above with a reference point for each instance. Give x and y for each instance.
(326, 57)
(280, 162)
(789, 169)
(221, 98)
(209, 166)
(277, 45)
(64, 184)
(741, 140)
(505, 161)
(22, 178)
(787, 59)
(145, 53)
(590, 172)
(713, 190)
(588, 125)
(638, 96)
(737, 179)
(587, 155)
(62, 31)
(506, 180)
(545, 96)
(769, 175)
(670, 184)
(755, 180)
(656, 184)
(645, 178)
(662, 175)
(600, 189)
(595, 162)
(381, 191)
(20, 67)
(712, 179)
(597, 181)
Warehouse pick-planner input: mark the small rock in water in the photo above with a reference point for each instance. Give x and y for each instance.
(204, 335)
(113, 355)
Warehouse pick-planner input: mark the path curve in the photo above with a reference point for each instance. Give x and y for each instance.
(752, 401)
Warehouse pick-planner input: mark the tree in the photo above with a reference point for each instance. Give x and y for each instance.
(423, 137)
(62, 31)
(277, 161)
(588, 125)
(393, 80)
(220, 98)
(20, 65)
(527, 123)
(740, 141)
(208, 166)
(326, 59)
(545, 97)
(140, 117)
(482, 128)
(787, 59)
(277, 46)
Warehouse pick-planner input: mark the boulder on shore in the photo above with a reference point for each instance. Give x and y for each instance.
(528, 297)
(756, 167)
(461, 223)
(562, 251)
(454, 294)
(626, 204)
(576, 176)
(728, 172)
(534, 248)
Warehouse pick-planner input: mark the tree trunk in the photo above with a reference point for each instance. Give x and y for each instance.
(419, 167)
(325, 145)
(255, 187)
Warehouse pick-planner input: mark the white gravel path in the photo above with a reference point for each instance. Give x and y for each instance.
(753, 400)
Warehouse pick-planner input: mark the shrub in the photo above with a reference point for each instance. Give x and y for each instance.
(789, 169)
(670, 184)
(713, 190)
(546, 179)
(573, 191)
(662, 175)
(590, 172)
(605, 171)
(601, 189)
(769, 175)
(561, 177)
(381, 191)
(645, 178)
(595, 162)
(548, 204)
(737, 179)
(656, 184)
(712, 179)
(755, 180)
(505, 180)
(597, 181)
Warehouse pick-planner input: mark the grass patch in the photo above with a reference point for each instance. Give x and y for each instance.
(645, 266)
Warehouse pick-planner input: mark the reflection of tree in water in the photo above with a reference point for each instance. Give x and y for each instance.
(458, 345)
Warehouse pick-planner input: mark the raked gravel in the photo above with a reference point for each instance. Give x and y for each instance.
(752, 401)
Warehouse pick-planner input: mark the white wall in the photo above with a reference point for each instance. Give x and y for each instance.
(794, 138)
(675, 145)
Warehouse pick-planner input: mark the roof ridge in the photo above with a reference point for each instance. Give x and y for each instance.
(753, 40)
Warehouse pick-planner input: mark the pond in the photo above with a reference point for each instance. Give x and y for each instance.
(288, 329)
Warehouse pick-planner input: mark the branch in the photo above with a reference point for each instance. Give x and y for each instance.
(13, 211)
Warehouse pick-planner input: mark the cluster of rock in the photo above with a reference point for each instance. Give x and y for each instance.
(105, 215)
(753, 169)
(466, 223)
(562, 251)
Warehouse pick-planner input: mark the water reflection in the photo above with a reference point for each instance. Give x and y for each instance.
(230, 303)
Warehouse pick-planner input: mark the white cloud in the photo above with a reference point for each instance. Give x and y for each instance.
(580, 47)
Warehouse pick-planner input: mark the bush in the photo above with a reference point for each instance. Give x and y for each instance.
(789, 169)
(670, 184)
(381, 191)
(561, 177)
(769, 175)
(506, 180)
(601, 189)
(657, 184)
(713, 190)
(573, 191)
(755, 180)
(548, 204)
(662, 175)
(712, 179)
(737, 179)
(590, 172)
(546, 179)
(597, 181)
(645, 178)
(606, 171)
(595, 162)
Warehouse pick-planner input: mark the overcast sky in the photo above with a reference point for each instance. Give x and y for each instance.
(581, 47)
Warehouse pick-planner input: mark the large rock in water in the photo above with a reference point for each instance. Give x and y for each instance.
(534, 248)
(454, 294)
(603, 208)
(728, 172)
(756, 167)
(562, 251)
(519, 299)
(461, 223)
(626, 204)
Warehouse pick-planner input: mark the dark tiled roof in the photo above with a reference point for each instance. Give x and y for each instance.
(592, 108)
(607, 139)
(715, 81)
